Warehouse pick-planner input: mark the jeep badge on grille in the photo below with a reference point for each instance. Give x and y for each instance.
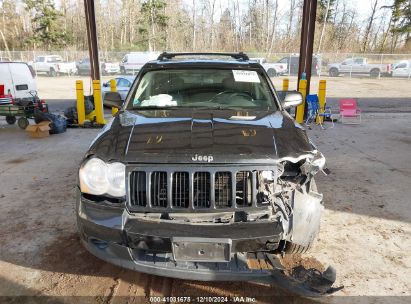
(205, 158)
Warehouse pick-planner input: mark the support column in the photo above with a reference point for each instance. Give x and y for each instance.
(92, 38)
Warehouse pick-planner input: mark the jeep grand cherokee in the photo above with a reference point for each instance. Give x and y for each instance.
(201, 167)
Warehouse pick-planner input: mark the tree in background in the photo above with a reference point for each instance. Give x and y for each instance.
(47, 29)
(155, 22)
(401, 21)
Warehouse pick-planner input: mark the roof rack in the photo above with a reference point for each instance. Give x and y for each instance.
(238, 56)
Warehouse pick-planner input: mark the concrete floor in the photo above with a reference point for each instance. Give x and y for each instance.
(365, 234)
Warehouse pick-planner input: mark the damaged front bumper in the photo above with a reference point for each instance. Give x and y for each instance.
(112, 234)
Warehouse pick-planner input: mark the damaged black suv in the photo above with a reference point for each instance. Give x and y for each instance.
(201, 169)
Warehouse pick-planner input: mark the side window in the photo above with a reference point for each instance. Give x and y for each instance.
(401, 66)
(122, 82)
(284, 60)
(40, 59)
(358, 61)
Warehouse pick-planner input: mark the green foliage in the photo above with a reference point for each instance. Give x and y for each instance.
(47, 27)
(153, 19)
(401, 13)
(322, 9)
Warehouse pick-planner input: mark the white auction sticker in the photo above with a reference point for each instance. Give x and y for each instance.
(245, 76)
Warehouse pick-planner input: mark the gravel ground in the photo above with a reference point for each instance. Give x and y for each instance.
(365, 227)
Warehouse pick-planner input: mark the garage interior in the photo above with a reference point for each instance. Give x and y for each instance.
(365, 230)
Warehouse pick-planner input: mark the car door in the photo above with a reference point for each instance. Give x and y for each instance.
(23, 80)
(401, 70)
(359, 66)
(123, 86)
(40, 64)
(346, 66)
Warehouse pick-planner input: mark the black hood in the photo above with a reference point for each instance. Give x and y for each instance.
(175, 136)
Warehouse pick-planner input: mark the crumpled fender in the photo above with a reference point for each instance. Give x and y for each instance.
(305, 220)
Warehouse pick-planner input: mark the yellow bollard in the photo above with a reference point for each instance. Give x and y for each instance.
(321, 98)
(113, 88)
(81, 111)
(98, 102)
(299, 117)
(286, 82)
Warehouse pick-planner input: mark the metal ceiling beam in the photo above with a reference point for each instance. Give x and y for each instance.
(92, 39)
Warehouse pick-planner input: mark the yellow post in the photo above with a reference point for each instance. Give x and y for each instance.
(286, 82)
(98, 102)
(300, 109)
(113, 88)
(321, 98)
(81, 112)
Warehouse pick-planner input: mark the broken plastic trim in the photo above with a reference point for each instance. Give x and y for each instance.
(305, 282)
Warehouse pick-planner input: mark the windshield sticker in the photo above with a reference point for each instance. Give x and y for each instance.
(245, 76)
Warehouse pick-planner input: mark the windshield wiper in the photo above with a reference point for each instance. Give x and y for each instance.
(156, 108)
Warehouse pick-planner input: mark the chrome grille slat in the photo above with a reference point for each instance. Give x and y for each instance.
(153, 188)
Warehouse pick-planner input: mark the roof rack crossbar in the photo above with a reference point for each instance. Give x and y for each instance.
(238, 56)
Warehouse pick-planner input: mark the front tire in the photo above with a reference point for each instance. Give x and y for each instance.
(272, 72)
(52, 73)
(375, 73)
(334, 72)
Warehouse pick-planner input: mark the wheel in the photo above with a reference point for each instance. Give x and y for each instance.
(23, 122)
(291, 248)
(375, 73)
(11, 120)
(333, 72)
(272, 72)
(52, 73)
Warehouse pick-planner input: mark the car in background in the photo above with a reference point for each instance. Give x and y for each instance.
(359, 66)
(123, 85)
(18, 80)
(401, 69)
(293, 62)
(272, 69)
(133, 62)
(106, 68)
(53, 65)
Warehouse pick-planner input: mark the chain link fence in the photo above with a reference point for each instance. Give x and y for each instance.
(321, 62)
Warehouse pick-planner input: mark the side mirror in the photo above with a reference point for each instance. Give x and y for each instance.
(292, 100)
(113, 100)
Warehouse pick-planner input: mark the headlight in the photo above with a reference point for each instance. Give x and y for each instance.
(97, 178)
(319, 162)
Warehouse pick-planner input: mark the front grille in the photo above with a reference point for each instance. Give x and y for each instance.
(243, 188)
(223, 188)
(197, 188)
(201, 190)
(159, 189)
(138, 197)
(180, 189)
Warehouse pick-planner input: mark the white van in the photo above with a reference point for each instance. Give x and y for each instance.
(18, 79)
(133, 62)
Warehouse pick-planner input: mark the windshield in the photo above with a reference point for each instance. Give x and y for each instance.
(202, 88)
